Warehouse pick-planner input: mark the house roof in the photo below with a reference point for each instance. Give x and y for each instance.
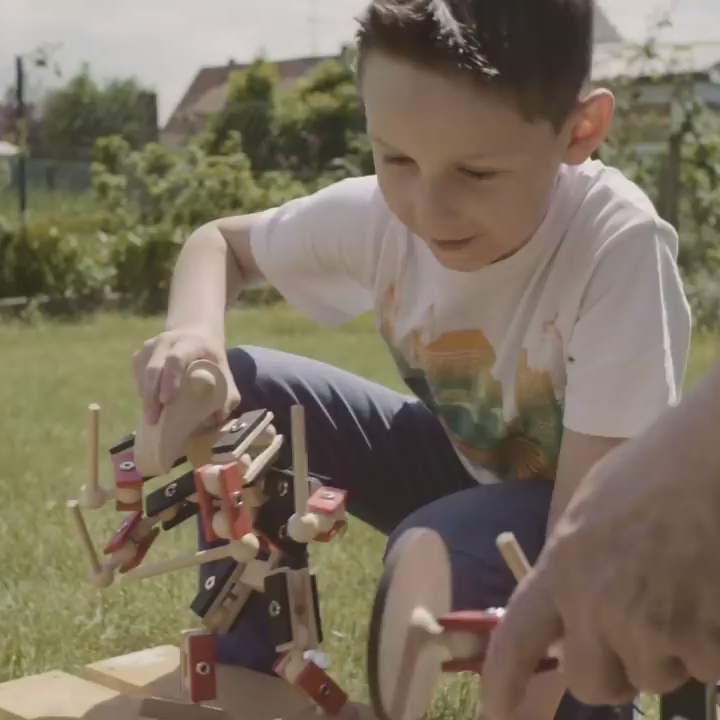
(208, 91)
(613, 60)
(605, 31)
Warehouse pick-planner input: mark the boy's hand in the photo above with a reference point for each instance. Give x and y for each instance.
(160, 364)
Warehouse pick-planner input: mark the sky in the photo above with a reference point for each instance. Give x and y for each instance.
(164, 42)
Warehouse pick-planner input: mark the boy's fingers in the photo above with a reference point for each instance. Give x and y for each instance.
(140, 361)
(528, 629)
(176, 361)
(152, 378)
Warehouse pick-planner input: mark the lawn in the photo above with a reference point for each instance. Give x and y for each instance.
(50, 617)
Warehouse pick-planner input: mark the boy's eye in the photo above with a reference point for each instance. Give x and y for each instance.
(397, 160)
(478, 174)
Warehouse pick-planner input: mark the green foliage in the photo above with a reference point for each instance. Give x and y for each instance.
(62, 261)
(82, 111)
(319, 121)
(250, 113)
(683, 175)
(271, 143)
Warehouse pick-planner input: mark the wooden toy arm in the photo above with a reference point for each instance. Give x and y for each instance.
(202, 393)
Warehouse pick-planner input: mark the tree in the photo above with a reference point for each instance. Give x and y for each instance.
(320, 119)
(249, 111)
(77, 114)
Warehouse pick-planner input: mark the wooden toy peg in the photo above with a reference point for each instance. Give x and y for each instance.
(92, 495)
(101, 575)
(518, 564)
(85, 539)
(322, 519)
(299, 458)
(513, 555)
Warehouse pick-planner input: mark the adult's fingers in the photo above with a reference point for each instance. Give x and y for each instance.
(593, 671)
(530, 626)
(649, 661)
(700, 653)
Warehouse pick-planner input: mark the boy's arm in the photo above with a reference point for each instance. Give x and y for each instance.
(628, 351)
(213, 266)
(319, 251)
(579, 453)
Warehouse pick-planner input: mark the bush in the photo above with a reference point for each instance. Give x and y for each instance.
(269, 145)
(53, 259)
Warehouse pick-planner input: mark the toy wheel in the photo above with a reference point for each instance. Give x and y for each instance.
(403, 667)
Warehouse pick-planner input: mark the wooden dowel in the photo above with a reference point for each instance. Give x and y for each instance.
(180, 563)
(93, 484)
(519, 566)
(513, 555)
(299, 458)
(84, 535)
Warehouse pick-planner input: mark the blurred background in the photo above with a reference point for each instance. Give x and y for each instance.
(151, 117)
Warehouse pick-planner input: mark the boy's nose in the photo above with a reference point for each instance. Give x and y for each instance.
(436, 217)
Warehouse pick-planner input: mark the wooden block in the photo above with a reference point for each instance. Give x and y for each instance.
(56, 695)
(155, 671)
(242, 694)
(154, 708)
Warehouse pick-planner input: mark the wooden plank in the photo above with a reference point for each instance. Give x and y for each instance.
(155, 671)
(243, 694)
(57, 695)
(153, 708)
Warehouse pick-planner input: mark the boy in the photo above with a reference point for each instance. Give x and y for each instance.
(530, 297)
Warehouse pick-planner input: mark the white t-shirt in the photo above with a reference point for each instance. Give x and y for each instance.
(585, 328)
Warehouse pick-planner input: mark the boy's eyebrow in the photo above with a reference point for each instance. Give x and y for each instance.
(470, 158)
(377, 139)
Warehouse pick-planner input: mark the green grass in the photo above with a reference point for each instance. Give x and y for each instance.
(49, 617)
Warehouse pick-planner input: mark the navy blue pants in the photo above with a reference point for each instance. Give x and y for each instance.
(393, 457)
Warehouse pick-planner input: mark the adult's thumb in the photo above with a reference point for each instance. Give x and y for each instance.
(530, 626)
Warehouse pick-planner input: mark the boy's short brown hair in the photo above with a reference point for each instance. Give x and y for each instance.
(537, 53)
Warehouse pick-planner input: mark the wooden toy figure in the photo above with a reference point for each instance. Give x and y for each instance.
(266, 515)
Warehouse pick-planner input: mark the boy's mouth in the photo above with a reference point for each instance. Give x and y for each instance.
(452, 245)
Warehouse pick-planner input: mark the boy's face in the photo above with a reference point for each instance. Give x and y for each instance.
(459, 167)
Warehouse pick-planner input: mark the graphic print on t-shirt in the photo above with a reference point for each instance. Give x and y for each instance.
(512, 429)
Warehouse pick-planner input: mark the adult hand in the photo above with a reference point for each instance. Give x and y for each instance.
(159, 366)
(629, 581)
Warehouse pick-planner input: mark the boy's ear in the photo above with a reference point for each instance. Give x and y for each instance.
(589, 126)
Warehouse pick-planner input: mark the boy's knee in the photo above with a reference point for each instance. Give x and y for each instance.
(469, 523)
(249, 366)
